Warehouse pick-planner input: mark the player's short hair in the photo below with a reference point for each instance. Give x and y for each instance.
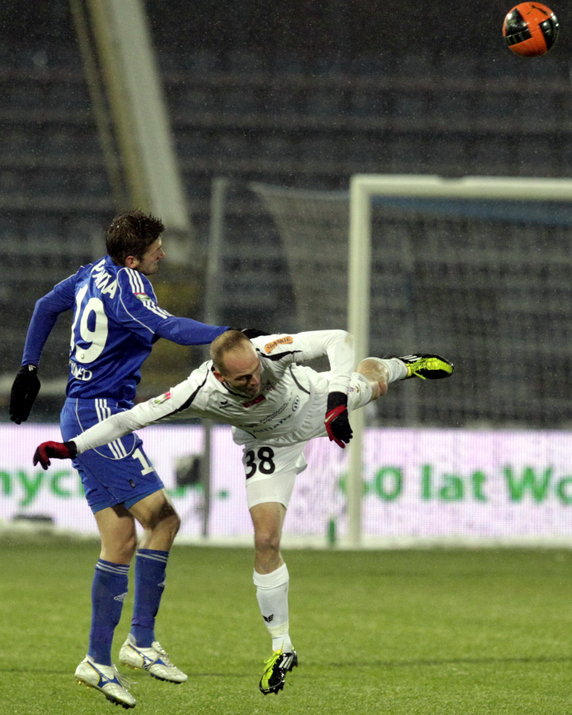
(130, 234)
(223, 344)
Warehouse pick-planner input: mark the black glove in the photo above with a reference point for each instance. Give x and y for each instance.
(24, 391)
(337, 424)
(59, 450)
(253, 333)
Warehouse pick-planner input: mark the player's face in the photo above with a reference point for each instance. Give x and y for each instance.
(242, 371)
(149, 263)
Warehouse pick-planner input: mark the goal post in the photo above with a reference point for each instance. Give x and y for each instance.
(364, 189)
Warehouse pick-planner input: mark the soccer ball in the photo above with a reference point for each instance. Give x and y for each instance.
(530, 29)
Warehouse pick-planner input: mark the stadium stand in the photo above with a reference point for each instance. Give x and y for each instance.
(255, 103)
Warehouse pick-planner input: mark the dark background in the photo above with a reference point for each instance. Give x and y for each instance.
(294, 94)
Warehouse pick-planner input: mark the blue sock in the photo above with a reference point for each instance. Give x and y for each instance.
(108, 592)
(150, 569)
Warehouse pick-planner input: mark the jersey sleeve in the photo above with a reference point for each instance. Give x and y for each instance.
(178, 398)
(186, 331)
(337, 345)
(139, 311)
(46, 312)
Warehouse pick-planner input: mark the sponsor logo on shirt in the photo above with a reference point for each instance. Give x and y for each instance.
(269, 347)
(80, 373)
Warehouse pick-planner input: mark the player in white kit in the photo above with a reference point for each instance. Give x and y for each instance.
(275, 404)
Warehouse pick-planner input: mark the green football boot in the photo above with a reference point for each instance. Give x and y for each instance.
(275, 669)
(427, 367)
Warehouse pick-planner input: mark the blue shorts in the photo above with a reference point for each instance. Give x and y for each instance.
(116, 473)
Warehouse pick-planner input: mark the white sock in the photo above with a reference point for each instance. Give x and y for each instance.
(396, 369)
(272, 597)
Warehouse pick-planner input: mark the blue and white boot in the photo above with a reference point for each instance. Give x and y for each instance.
(154, 660)
(106, 679)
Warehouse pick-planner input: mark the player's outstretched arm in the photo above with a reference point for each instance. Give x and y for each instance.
(122, 423)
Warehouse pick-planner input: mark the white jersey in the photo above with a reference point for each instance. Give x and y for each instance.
(289, 409)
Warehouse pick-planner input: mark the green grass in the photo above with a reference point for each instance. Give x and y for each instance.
(400, 632)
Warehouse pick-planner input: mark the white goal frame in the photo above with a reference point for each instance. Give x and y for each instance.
(364, 187)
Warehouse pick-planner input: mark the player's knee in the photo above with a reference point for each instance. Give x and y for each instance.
(373, 369)
(376, 373)
(164, 519)
(171, 522)
(127, 550)
(119, 552)
(266, 541)
(176, 524)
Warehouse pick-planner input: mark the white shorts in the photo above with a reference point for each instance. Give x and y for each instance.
(271, 470)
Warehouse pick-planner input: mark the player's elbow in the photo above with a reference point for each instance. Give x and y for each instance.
(44, 308)
(345, 337)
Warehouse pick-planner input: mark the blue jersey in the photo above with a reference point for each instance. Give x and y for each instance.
(116, 320)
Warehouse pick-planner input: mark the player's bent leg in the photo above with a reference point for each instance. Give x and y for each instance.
(158, 517)
(106, 680)
(380, 372)
(141, 650)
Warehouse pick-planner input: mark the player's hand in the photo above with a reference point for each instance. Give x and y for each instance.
(24, 391)
(337, 423)
(253, 332)
(59, 450)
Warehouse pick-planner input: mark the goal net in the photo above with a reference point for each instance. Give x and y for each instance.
(476, 268)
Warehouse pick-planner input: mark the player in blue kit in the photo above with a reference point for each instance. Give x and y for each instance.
(116, 320)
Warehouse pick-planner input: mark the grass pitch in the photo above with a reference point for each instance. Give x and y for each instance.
(401, 632)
